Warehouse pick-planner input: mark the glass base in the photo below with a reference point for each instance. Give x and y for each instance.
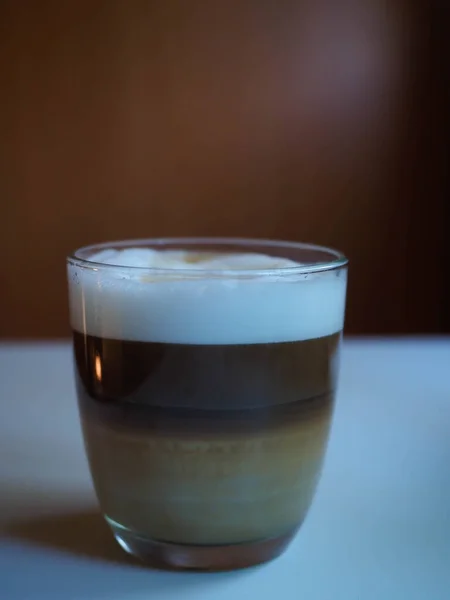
(168, 555)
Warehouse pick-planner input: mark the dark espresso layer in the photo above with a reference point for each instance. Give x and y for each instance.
(178, 386)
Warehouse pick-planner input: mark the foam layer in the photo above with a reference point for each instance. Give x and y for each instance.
(198, 308)
(187, 259)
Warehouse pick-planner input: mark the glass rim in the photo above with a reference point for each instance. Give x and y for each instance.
(337, 259)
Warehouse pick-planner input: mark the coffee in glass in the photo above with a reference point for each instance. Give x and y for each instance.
(206, 372)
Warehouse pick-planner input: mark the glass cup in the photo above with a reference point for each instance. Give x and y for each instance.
(206, 379)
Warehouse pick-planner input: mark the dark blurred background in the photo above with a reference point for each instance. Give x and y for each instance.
(323, 121)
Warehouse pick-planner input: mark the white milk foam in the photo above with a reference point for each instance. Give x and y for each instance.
(200, 308)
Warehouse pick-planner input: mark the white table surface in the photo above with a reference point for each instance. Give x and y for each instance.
(379, 527)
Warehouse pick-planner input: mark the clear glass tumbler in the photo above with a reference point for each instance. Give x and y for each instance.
(206, 373)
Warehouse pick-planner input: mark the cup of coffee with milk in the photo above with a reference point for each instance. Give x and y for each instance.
(206, 373)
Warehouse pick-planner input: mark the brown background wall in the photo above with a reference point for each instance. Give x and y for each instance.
(300, 120)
